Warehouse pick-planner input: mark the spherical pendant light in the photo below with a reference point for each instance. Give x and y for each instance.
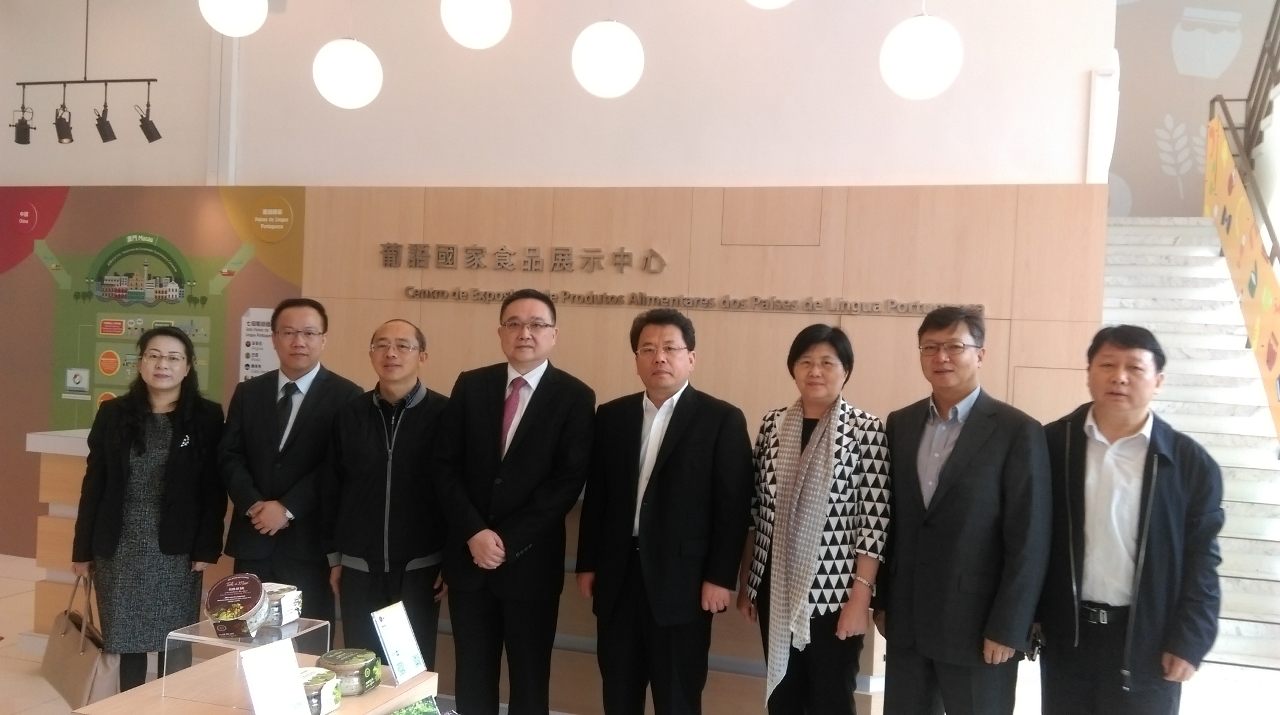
(608, 59)
(477, 24)
(921, 57)
(768, 4)
(347, 73)
(234, 18)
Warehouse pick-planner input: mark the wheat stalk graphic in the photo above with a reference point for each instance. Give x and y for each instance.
(1175, 154)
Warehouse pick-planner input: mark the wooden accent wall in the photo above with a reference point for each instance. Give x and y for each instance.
(1032, 255)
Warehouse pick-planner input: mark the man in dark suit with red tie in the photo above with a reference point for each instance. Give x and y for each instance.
(513, 452)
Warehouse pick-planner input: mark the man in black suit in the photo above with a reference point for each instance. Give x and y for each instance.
(513, 450)
(969, 541)
(667, 506)
(273, 449)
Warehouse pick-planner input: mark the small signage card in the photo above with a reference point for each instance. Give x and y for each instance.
(398, 642)
(271, 672)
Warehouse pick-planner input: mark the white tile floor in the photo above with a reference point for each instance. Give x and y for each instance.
(1215, 689)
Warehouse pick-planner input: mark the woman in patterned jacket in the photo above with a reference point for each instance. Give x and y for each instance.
(820, 513)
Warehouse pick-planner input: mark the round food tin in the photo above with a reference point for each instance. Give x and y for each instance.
(357, 669)
(237, 606)
(285, 603)
(321, 687)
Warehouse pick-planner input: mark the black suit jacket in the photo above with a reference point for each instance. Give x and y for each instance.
(971, 565)
(695, 511)
(524, 496)
(255, 469)
(194, 501)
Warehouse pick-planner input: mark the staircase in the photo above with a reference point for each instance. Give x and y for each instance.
(1167, 275)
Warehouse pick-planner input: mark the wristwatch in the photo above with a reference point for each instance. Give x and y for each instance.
(870, 586)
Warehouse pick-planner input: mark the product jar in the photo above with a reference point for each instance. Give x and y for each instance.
(357, 669)
(237, 606)
(321, 687)
(285, 603)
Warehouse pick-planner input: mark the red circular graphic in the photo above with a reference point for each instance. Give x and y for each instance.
(23, 217)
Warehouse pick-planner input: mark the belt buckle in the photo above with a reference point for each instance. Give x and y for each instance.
(1102, 616)
(1097, 615)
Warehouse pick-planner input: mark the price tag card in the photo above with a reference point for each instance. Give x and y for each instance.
(271, 672)
(404, 660)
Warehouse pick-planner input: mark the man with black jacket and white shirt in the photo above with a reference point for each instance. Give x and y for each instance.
(1130, 603)
(384, 524)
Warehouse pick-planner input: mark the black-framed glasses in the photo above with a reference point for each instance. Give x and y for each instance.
(649, 351)
(536, 327)
(308, 334)
(951, 348)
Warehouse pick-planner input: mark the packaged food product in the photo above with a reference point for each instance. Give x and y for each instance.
(285, 603)
(321, 687)
(237, 606)
(358, 670)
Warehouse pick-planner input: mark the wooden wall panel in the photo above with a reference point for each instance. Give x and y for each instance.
(721, 267)
(53, 542)
(60, 479)
(1056, 343)
(949, 244)
(345, 228)
(1061, 249)
(1048, 393)
(492, 219)
(789, 216)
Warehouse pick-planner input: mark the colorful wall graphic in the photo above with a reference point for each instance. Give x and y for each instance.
(85, 271)
(1247, 253)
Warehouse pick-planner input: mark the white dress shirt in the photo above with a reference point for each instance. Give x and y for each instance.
(652, 430)
(531, 379)
(1112, 504)
(304, 384)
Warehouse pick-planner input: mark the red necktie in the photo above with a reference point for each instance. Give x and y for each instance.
(509, 409)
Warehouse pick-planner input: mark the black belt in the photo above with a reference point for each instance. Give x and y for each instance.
(635, 543)
(1103, 614)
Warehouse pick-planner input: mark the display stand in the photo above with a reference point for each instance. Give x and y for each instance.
(198, 642)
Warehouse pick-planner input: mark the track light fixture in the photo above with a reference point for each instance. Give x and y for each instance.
(62, 120)
(104, 127)
(22, 125)
(62, 116)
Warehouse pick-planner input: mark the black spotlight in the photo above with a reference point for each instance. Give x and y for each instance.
(104, 127)
(148, 127)
(62, 124)
(22, 127)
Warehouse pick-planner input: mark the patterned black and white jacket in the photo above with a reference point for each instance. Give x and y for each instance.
(858, 509)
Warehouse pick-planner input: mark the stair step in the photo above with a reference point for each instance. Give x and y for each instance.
(1250, 458)
(1166, 281)
(1257, 598)
(1211, 440)
(1247, 661)
(1257, 426)
(1223, 291)
(1233, 571)
(1244, 365)
(1213, 381)
(1161, 260)
(1258, 486)
(1115, 316)
(1247, 638)
(1181, 327)
(1193, 353)
(1152, 238)
(1196, 304)
(1204, 270)
(1251, 396)
(1165, 408)
(1137, 249)
(1138, 223)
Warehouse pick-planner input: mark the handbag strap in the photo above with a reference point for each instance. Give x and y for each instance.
(71, 602)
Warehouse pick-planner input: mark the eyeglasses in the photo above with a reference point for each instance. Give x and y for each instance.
(954, 348)
(825, 365)
(153, 357)
(400, 346)
(516, 327)
(648, 352)
(308, 334)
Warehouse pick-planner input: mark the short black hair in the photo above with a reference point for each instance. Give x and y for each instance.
(949, 316)
(288, 303)
(816, 335)
(663, 316)
(1128, 337)
(417, 332)
(528, 294)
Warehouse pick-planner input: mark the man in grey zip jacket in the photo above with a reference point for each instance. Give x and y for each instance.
(1130, 603)
(386, 534)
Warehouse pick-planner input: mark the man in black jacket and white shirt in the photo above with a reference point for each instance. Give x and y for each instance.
(1130, 604)
(386, 531)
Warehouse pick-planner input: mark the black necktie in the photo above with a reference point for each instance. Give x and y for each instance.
(284, 408)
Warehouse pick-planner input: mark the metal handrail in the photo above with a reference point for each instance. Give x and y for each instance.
(1236, 143)
(1265, 77)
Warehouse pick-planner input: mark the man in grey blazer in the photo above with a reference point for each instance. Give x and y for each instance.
(969, 541)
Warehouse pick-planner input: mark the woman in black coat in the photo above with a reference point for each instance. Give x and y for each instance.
(152, 503)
